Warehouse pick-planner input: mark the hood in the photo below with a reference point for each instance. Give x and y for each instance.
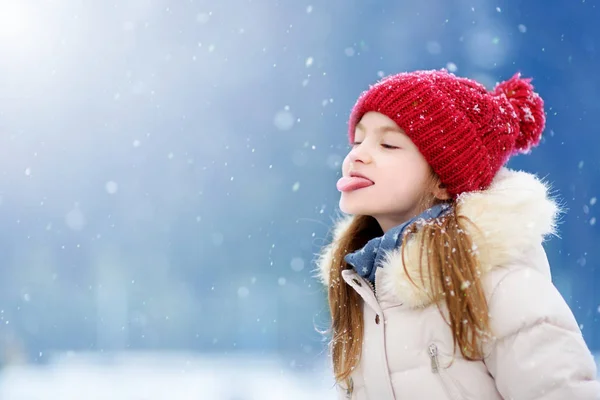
(513, 215)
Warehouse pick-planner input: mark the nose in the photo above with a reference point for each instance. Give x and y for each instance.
(360, 154)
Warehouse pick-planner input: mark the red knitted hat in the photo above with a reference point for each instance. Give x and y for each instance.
(464, 132)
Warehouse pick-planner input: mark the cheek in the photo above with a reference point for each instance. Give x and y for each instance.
(410, 173)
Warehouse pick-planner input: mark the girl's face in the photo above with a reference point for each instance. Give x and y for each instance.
(392, 175)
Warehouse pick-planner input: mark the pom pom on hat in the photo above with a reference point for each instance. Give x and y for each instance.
(529, 107)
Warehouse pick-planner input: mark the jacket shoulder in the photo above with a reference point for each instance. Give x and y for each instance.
(537, 349)
(522, 293)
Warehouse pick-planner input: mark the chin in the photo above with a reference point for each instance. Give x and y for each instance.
(352, 207)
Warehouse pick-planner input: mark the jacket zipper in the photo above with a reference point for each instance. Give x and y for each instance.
(435, 368)
(372, 287)
(433, 355)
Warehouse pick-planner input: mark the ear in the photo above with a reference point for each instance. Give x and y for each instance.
(440, 192)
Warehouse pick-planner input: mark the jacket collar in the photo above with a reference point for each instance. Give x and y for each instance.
(514, 214)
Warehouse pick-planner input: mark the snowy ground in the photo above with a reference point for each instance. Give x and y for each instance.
(162, 376)
(165, 376)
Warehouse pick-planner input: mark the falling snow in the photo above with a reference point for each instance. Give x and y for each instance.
(111, 187)
(175, 194)
(243, 292)
(297, 264)
(284, 120)
(203, 17)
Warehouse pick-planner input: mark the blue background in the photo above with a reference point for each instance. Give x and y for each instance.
(168, 169)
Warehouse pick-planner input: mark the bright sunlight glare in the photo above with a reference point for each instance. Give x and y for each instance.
(14, 19)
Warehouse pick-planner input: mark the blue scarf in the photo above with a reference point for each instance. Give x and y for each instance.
(373, 253)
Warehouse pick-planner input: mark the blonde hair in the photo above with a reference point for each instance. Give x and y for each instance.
(452, 264)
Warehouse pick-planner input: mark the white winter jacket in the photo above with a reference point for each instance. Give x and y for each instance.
(537, 352)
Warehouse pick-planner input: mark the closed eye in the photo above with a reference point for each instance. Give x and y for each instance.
(386, 146)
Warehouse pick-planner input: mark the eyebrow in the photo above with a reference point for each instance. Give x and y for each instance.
(381, 129)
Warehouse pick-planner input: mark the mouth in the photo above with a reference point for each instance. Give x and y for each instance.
(359, 175)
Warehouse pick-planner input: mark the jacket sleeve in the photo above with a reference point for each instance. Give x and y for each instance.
(538, 351)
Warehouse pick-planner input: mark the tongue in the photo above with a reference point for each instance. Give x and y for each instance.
(346, 184)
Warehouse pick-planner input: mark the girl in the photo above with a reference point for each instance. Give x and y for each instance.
(438, 285)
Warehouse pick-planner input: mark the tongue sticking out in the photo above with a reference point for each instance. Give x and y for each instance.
(347, 184)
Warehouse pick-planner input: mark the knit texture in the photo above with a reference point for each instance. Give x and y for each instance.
(465, 132)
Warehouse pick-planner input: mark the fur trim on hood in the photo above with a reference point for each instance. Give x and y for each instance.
(515, 213)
